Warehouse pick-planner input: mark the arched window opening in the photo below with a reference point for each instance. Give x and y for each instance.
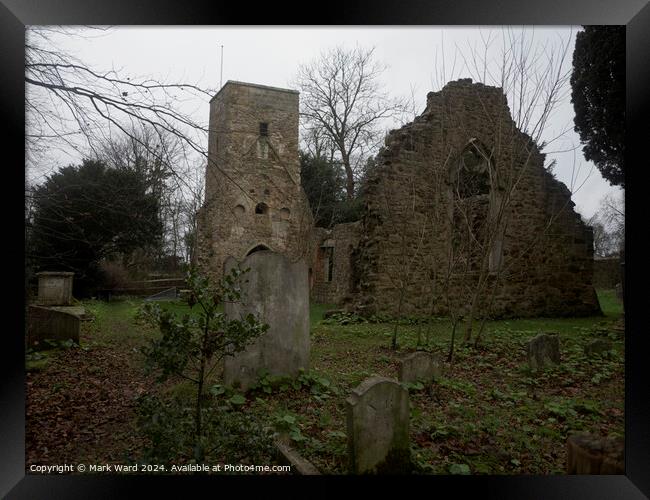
(473, 178)
(475, 205)
(239, 210)
(261, 208)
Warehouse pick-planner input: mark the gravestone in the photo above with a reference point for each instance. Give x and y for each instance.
(591, 454)
(378, 427)
(49, 323)
(598, 346)
(276, 290)
(54, 288)
(542, 350)
(420, 366)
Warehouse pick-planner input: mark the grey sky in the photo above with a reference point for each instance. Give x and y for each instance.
(271, 55)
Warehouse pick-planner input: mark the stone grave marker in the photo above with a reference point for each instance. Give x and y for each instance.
(49, 323)
(542, 350)
(598, 346)
(593, 454)
(378, 427)
(54, 288)
(420, 366)
(277, 291)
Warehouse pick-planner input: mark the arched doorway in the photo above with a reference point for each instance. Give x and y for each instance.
(257, 248)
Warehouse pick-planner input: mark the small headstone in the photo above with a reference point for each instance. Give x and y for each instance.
(598, 346)
(378, 427)
(277, 291)
(420, 366)
(542, 350)
(590, 454)
(299, 465)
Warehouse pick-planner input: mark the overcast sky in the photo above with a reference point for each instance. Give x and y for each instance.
(415, 57)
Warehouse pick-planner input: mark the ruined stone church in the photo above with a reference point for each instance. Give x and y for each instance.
(459, 208)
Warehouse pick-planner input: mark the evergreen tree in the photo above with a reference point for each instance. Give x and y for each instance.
(83, 214)
(598, 96)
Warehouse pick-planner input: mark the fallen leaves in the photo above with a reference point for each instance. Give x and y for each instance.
(81, 406)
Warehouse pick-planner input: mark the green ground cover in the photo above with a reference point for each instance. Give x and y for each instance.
(487, 415)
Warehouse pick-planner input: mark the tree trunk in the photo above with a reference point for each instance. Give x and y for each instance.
(399, 314)
(198, 400)
(621, 258)
(349, 177)
(199, 395)
(450, 356)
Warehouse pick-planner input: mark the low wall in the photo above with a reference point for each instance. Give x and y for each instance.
(142, 288)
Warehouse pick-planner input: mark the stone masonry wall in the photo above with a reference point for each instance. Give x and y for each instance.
(541, 253)
(254, 199)
(343, 239)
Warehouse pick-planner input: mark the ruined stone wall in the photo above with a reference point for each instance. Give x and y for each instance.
(253, 194)
(342, 239)
(540, 252)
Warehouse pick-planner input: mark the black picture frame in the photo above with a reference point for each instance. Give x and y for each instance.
(635, 14)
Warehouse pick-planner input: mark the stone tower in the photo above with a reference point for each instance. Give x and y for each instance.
(253, 197)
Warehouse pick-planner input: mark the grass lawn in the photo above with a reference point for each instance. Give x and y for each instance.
(487, 415)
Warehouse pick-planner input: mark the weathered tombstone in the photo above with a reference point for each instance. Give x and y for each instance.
(47, 323)
(277, 291)
(420, 366)
(378, 427)
(542, 350)
(54, 288)
(598, 346)
(589, 454)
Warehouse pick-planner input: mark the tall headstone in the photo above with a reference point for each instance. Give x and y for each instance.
(378, 427)
(277, 291)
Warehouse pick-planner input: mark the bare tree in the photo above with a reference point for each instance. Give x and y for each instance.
(73, 107)
(608, 224)
(159, 157)
(344, 105)
(138, 122)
